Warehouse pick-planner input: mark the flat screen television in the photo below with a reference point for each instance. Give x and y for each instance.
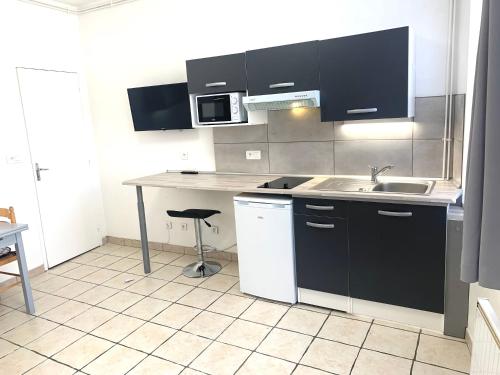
(162, 107)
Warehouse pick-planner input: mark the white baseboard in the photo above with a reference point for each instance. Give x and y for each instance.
(404, 315)
(322, 299)
(376, 310)
(468, 339)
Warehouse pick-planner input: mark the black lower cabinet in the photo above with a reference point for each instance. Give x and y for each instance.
(321, 251)
(397, 254)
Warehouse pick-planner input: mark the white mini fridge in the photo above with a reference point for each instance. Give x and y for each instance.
(266, 256)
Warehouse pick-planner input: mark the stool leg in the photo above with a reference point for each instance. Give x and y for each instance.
(201, 268)
(199, 242)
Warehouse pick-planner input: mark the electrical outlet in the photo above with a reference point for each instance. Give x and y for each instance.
(184, 155)
(169, 225)
(215, 229)
(253, 155)
(184, 226)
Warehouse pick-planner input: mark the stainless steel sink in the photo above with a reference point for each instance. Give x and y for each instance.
(423, 187)
(344, 184)
(365, 186)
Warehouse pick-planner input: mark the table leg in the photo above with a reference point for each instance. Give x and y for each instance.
(23, 270)
(143, 228)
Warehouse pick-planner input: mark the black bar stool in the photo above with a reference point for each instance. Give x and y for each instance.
(201, 268)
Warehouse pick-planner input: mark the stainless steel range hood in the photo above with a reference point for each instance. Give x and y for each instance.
(287, 100)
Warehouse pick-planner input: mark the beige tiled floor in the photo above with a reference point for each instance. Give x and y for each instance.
(99, 314)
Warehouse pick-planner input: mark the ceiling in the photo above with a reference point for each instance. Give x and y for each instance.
(77, 3)
(77, 6)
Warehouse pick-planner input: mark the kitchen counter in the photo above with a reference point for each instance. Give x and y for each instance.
(443, 193)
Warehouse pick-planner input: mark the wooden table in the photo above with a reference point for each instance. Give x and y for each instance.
(10, 234)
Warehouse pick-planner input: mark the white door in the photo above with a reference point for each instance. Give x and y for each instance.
(61, 142)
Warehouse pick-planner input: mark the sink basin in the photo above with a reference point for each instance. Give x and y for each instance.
(423, 187)
(366, 186)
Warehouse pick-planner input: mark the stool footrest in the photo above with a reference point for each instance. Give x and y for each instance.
(201, 269)
(206, 249)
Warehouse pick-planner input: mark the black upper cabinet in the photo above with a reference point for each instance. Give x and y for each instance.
(397, 254)
(366, 76)
(217, 74)
(321, 253)
(289, 68)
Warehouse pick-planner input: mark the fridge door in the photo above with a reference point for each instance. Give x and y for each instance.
(265, 250)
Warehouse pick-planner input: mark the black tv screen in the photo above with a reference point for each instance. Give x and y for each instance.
(162, 107)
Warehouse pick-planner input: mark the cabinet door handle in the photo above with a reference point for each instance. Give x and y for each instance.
(320, 226)
(215, 84)
(361, 110)
(281, 85)
(395, 214)
(320, 208)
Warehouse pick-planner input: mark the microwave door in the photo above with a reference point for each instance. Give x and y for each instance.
(214, 109)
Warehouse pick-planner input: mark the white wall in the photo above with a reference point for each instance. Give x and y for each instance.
(147, 42)
(33, 37)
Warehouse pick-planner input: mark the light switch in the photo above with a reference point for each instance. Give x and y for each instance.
(253, 155)
(14, 159)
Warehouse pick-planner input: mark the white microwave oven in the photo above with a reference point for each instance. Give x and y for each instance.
(224, 108)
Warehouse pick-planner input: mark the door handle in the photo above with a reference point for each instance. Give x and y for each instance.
(320, 208)
(361, 110)
(281, 85)
(215, 84)
(395, 214)
(320, 226)
(38, 170)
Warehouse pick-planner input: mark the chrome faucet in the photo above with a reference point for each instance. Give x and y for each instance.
(375, 172)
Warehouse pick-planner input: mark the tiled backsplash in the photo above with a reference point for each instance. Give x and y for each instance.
(297, 142)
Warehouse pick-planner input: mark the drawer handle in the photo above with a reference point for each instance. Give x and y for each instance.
(320, 226)
(395, 214)
(281, 85)
(320, 208)
(361, 110)
(215, 84)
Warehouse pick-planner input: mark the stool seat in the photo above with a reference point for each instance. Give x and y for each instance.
(193, 213)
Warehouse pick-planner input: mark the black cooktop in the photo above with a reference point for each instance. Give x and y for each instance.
(285, 183)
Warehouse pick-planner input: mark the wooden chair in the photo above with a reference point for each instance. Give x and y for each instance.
(9, 214)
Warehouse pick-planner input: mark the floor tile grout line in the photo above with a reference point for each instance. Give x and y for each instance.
(47, 359)
(251, 351)
(416, 351)
(101, 268)
(310, 343)
(201, 310)
(361, 347)
(442, 367)
(41, 354)
(177, 302)
(194, 286)
(213, 340)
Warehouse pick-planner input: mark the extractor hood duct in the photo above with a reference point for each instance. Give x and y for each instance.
(287, 100)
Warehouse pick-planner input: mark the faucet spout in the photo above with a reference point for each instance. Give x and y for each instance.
(376, 172)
